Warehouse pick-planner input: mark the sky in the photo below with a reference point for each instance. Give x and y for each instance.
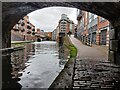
(47, 18)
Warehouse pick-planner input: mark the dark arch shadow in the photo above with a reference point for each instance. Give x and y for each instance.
(7, 81)
(38, 40)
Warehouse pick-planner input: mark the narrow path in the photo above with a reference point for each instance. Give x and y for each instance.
(92, 71)
(87, 52)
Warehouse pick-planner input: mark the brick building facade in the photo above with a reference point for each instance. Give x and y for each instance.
(92, 29)
(23, 30)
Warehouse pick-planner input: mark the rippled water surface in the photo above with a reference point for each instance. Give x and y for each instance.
(34, 67)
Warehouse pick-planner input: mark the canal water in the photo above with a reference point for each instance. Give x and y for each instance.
(36, 66)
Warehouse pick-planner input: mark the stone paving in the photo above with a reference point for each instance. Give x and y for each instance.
(92, 70)
(96, 75)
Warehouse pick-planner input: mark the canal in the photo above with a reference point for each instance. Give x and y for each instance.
(36, 66)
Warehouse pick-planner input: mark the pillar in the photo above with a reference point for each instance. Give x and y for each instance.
(107, 37)
(98, 32)
(114, 45)
(6, 36)
(98, 37)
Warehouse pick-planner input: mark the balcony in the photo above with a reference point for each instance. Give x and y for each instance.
(33, 30)
(22, 30)
(33, 33)
(22, 24)
(28, 32)
(28, 27)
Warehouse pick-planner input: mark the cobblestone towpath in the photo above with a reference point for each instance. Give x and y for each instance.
(92, 70)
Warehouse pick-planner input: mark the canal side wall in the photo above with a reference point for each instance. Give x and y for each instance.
(65, 78)
(9, 50)
(16, 45)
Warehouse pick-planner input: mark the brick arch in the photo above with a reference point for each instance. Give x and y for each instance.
(16, 10)
(13, 11)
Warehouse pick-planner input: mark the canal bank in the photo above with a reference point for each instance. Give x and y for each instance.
(15, 45)
(65, 78)
(19, 43)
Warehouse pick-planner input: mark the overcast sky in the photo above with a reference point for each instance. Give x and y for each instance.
(47, 18)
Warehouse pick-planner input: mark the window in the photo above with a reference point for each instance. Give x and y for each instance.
(33, 33)
(22, 24)
(90, 15)
(90, 20)
(28, 27)
(102, 19)
(95, 16)
(22, 30)
(28, 32)
(33, 30)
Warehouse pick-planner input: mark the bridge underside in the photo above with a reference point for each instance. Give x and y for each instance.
(14, 11)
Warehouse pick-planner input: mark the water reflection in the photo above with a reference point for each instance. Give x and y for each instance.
(62, 56)
(12, 64)
(7, 80)
(36, 66)
(20, 58)
(61, 53)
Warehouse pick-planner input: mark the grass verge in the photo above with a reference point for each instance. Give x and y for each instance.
(70, 46)
(19, 43)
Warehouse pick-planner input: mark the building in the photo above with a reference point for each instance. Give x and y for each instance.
(54, 35)
(92, 29)
(63, 24)
(103, 29)
(49, 35)
(23, 30)
(39, 35)
(57, 32)
(66, 25)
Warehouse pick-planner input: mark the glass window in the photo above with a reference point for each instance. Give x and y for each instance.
(102, 19)
(22, 24)
(28, 27)
(90, 20)
(95, 16)
(89, 15)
